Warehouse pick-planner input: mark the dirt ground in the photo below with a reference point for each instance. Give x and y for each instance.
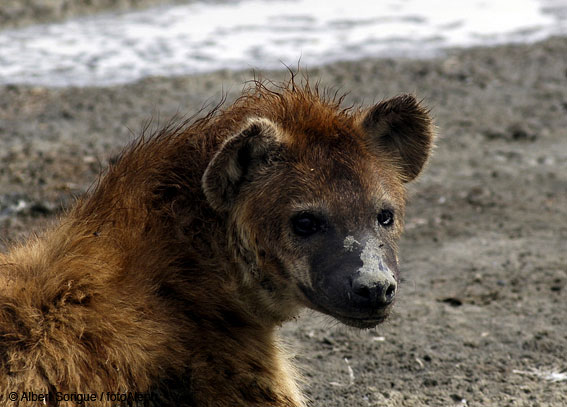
(481, 318)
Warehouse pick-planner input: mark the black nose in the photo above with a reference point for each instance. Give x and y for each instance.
(377, 292)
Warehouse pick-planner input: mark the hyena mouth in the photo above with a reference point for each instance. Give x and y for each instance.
(358, 321)
(347, 313)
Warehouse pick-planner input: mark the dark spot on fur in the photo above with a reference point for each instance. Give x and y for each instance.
(232, 318)
(80, 298)
(257, 368)
(267, 284)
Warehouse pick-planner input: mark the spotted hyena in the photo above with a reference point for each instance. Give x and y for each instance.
(171, 276)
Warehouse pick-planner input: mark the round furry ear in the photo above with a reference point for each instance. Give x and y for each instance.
(236, 161)
(403, 129)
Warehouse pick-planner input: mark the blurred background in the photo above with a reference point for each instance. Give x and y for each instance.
(201, 36)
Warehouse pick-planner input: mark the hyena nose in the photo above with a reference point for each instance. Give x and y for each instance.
(377, 292)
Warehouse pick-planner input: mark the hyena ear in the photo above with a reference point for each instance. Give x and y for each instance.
(236, 159)
(403, 129)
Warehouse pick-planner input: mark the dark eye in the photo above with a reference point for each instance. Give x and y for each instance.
(305, 224)
(386, 218)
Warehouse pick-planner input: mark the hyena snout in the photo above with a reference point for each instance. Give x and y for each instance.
(353, 280)
(373, 290)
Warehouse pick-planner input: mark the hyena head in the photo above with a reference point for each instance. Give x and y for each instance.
(315, 199)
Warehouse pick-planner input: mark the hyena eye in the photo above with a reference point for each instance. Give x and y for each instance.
(306, 224)
(386, 218)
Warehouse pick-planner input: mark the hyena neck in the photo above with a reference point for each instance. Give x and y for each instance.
(258, 371)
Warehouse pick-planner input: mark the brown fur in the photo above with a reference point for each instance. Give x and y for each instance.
(155, 282)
